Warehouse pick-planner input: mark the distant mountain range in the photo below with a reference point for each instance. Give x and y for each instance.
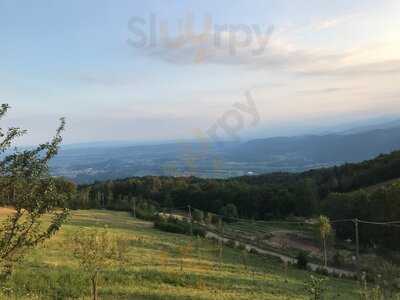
(86, 163)
(324, 149)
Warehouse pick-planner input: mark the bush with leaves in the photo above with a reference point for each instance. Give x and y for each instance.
(339, 259)
(32, 193)
(302, 260)
(198, 216)
(367, 293)
(231, 243)
(145, 210)
(97, 249)
(174, 225)
(386, 277)
(315, 287)
(229, 212)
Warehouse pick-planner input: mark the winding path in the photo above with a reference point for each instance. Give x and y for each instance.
(284, 258)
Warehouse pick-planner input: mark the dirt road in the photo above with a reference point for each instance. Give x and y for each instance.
(283, 257)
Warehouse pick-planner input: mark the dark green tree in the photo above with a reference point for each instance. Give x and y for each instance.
(229, 211)
(33, 194)
(198, 216)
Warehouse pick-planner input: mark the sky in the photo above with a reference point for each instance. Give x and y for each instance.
(173, 70)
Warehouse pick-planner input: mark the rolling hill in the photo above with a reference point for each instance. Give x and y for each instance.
(152, 270)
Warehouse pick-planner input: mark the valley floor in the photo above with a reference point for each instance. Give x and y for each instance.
(151, 268)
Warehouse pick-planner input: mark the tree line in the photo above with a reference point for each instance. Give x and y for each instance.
(257, 197)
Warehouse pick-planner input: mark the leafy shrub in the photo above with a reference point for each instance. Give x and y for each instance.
(231, 244)
(322, 271)
(145, 215)
(177, 226)
(198, 231)
(241, 246)
(215, 219)
(229, 212)
(302, 260)
(198, 216)
(315, 287)
(254, 251)
(146, 211)
(338, 259)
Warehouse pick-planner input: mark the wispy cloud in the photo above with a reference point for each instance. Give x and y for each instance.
(329, 90)
(388, 67)
(281, 55)
(281, 51)
(278, 54)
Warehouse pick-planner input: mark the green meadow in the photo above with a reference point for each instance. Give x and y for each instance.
(159, 266)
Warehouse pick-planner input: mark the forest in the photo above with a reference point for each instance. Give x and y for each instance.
(259, 197)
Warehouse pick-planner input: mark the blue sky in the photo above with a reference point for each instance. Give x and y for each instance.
(325, 62)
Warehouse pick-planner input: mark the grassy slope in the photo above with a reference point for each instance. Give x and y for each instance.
(152, 270)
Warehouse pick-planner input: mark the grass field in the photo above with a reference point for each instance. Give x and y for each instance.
(152, 269)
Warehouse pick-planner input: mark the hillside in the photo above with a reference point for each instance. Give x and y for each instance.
(152, 268)
(267, 197)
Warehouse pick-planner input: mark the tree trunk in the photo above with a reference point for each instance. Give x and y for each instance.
(94, 286)
(325, 255)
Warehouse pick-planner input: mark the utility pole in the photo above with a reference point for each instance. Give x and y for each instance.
(357, 244)
(190, 219)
